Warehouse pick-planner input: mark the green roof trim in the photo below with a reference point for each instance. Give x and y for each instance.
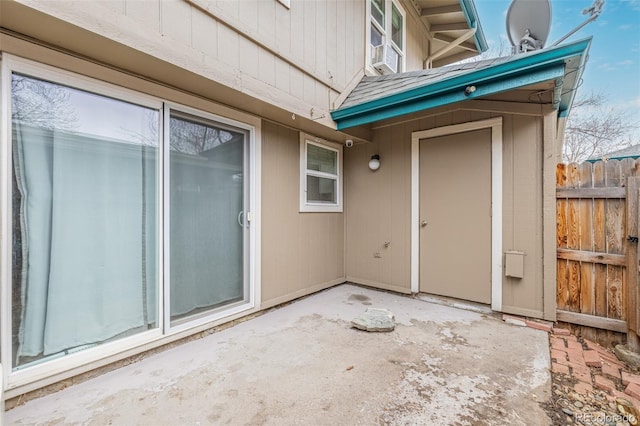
(624, 157)
(563, 63)
(471, 15)
(450, 97)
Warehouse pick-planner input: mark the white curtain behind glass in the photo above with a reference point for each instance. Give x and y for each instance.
(83, 225)
(207, 199)
(88, 223)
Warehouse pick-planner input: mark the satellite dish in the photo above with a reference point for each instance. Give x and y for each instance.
(528, 24)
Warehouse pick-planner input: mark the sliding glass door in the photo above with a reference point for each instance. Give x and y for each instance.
(207, 226)
(129, 218)
(85, 219)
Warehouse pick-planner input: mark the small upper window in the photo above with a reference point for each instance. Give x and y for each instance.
(377, 11)
(320, 175)
(386, 38)
(397, 26)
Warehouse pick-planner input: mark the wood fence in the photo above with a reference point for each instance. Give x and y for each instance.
(597, 230)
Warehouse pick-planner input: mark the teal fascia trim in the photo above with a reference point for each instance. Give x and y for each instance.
(471, 15)
(566, 101)
(557, 92)
(633, 157)
(455, 95)
(364, 113)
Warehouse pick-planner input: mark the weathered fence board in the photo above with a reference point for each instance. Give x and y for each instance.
(633, 186)
(592, 256)
(587, 296)
(599, 245)
(597, 265)
(561, 234)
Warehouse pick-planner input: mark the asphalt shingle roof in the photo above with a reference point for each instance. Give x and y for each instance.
(631, 151)
(371, 88)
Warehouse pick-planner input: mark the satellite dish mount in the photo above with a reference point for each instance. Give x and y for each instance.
(594, 11)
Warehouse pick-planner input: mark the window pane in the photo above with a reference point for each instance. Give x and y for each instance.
(84, 217)
(321, 159)
(376, 36)
(207, 216)
(377, 11)
(321, 190)
(396, 26)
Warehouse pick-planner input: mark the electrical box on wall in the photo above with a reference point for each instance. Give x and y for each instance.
(514, 264)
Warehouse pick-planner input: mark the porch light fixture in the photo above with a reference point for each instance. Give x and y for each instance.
(469, 90)
(374, 163)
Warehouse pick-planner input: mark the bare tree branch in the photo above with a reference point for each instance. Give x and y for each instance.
(593, 129)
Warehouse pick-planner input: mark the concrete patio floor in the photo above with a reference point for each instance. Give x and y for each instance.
(304, 364)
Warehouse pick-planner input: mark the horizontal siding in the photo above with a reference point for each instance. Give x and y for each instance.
(304, 38)
(297, 59)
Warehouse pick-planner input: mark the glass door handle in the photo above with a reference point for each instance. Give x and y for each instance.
(241, 218)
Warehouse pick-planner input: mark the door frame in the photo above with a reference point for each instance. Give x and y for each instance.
(495, 124)
(17, 382)
(251, 253)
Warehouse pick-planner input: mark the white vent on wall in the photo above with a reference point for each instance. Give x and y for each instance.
(385, 59)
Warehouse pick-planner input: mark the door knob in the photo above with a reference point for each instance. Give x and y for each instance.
(423, 223)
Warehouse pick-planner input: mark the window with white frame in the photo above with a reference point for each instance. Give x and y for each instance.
(387, 33)
(320, 175)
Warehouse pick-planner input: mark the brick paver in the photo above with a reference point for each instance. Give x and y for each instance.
(611, 370)
(603, 383)
(559, 368)
(589, 364)
(583, 388)
(592, 358)
(633, 390)
(540, 325)
(630, 378)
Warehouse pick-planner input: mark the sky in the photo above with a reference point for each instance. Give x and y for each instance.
(613, 68)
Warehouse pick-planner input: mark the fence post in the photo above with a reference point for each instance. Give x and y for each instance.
(633, 319)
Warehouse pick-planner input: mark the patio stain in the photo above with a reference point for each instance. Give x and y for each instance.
(365, 300)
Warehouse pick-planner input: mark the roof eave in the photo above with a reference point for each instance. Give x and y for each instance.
(529, 69)
(471, 15)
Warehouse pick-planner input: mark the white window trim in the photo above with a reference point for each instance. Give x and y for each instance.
(35, 376)
(306, 206)
(370, 70)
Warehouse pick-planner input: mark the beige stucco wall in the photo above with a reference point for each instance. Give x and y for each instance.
(378, 205)
(301, 252)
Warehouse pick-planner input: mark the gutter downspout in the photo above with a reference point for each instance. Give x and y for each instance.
(561, 126)
(428, 62)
